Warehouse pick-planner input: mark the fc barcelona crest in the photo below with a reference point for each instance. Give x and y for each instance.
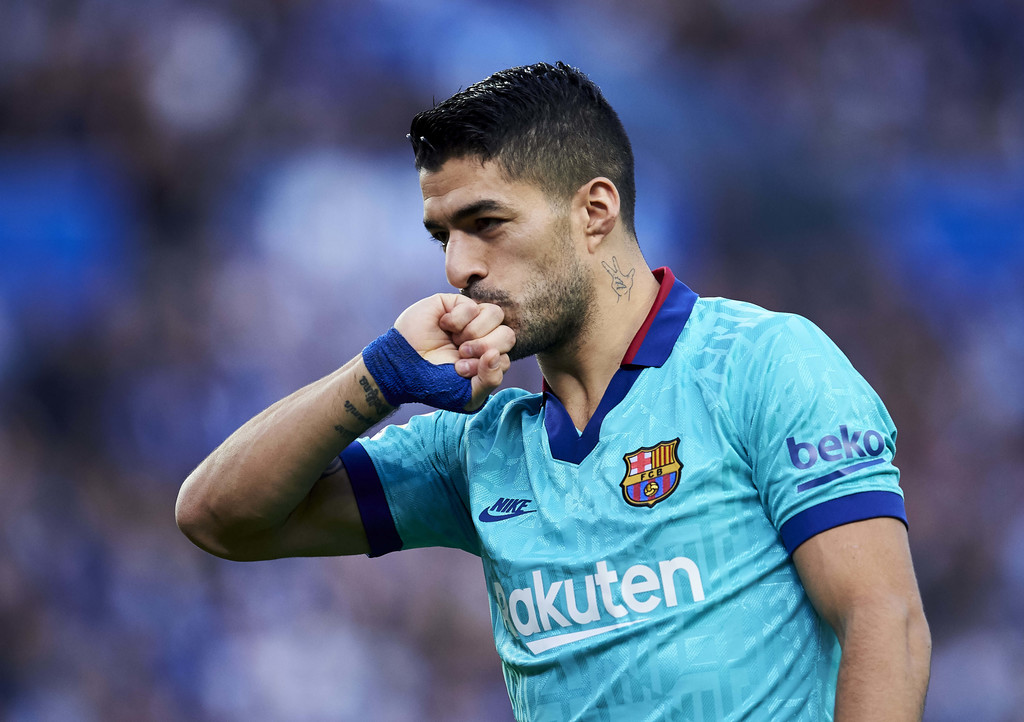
(652, 473)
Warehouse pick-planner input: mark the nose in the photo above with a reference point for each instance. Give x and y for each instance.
(463, 260)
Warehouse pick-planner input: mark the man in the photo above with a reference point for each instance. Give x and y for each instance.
(693, 519)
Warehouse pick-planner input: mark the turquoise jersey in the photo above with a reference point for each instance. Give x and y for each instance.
(640, 569)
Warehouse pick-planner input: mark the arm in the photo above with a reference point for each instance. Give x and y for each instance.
(264, 493)
(860, 578)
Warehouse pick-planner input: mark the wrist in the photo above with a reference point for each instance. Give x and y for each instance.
(402, 375)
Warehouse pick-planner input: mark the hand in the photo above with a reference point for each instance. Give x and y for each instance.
(448, 328)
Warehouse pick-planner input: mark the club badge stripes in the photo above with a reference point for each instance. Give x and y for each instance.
(663, 455)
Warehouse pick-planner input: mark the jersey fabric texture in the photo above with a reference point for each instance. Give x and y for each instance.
(640, 569)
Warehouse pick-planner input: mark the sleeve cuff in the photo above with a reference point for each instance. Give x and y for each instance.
(371, 501)
(836, 512)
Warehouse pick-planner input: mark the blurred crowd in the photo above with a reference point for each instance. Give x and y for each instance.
(204, 206)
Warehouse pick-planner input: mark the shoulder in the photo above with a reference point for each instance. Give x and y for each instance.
(724, 332)
(740, 322)
(743, 356)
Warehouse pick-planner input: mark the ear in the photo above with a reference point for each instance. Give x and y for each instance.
(598, 204)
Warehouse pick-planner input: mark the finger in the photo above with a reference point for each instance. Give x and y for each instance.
(470, 368)
(488, 318)
(460, 311)
(490, 373)
(491, 368)
(501, 339)
(467, 367)
(418, 325)
(607, 267)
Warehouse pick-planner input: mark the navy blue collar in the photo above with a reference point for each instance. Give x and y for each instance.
(651, 346)
(653, 343)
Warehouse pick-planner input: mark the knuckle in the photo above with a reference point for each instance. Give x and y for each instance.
(492, 310)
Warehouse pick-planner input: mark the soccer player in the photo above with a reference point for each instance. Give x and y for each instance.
(698, 518)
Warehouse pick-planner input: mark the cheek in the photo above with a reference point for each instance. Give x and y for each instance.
(549, 257)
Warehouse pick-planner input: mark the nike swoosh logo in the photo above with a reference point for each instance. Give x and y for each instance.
(486, 515)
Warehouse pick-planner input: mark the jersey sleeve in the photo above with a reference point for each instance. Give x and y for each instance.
(410, 485)
(821, 443)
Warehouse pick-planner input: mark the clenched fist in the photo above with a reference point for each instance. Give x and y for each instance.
(448, 328)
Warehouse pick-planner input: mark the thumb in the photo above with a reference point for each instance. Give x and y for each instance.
(489, 375)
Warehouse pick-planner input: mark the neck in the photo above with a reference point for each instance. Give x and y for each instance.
(579, 374)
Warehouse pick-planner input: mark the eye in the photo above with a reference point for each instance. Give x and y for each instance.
(483, 225)
(441, 238)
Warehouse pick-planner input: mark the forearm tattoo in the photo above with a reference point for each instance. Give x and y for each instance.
(373, 397)
(351, 408)
(374, 400)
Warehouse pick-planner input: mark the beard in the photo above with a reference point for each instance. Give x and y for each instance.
(550, 313)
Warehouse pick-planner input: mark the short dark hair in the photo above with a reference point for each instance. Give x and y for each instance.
(545, 124)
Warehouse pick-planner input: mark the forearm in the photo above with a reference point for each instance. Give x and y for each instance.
(257, 478)
(885, 666)
(263, 493)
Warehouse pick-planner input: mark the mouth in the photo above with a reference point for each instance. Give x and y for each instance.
(482, 295)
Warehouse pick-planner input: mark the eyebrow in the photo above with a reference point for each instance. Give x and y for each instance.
(473, 209)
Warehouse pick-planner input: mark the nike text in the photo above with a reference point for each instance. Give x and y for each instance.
(506, 509)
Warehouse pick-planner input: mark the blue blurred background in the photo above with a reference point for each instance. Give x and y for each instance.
(204, 205)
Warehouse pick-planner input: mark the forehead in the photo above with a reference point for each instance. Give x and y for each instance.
(464, 182)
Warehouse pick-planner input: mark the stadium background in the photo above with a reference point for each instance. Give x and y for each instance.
(204, 205)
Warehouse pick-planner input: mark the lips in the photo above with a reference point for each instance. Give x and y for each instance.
(497, 298)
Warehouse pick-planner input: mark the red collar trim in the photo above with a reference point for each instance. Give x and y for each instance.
(666, 278)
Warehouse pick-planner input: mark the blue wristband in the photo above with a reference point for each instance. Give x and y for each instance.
(403, 375)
